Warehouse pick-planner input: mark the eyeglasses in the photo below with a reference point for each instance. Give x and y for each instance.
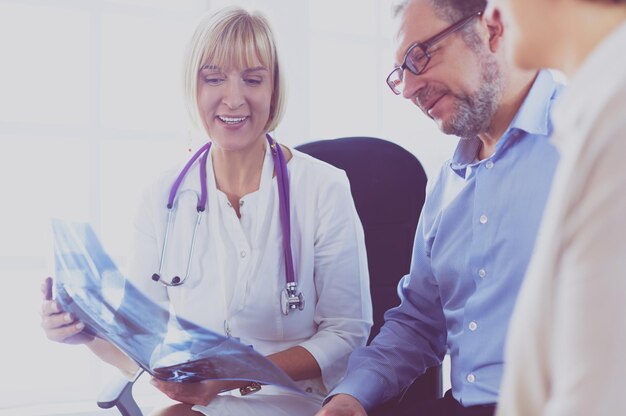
(417, 57)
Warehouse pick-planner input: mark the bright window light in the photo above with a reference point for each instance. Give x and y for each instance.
(90, 111)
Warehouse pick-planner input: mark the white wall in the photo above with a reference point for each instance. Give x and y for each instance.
(90, 110)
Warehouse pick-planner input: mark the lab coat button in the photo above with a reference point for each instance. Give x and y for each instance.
(483, 219)
(482, 273)
(309, 390)
(241, 203)
(472, 326)
(471, 378)
(242, 254)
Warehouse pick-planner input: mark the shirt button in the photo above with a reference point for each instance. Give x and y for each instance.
(471, 378)
(242, 253)
(483, 219)
(309, 390)
(472, 326)
(489, 164)
(482, 273)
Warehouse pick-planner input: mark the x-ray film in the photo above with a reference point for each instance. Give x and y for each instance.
(89, 285)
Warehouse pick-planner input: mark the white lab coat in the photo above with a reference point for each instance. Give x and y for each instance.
(238, 270)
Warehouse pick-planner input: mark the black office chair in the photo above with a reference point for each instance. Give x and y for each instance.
(388, 187)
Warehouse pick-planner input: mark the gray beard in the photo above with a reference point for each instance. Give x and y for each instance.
(473, 113)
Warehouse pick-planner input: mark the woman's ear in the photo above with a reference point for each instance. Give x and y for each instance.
(495, 27)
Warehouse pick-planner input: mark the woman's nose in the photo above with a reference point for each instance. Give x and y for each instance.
(233, 95)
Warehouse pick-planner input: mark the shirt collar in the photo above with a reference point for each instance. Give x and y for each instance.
(533, 118)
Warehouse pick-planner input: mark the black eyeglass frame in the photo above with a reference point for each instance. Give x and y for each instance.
(424, 46)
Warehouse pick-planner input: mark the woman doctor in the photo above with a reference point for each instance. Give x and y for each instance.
(234, 281)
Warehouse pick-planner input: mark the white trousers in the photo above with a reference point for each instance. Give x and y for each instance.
(262, 404)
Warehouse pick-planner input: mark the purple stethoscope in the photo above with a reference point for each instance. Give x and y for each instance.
(291, 298)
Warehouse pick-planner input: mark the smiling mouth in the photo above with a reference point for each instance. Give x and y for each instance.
(232, 120)
(434, 103)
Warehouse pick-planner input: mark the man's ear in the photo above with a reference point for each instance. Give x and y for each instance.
(495, 28)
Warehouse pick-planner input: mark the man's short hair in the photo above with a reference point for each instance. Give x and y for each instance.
(451, 11)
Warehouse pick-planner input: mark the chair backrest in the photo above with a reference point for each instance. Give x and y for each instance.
(388, 186)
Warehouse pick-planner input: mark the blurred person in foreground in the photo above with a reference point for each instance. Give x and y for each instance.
(565, 351)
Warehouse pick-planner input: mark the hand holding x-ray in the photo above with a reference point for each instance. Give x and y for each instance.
(58, 324)
(91, 288)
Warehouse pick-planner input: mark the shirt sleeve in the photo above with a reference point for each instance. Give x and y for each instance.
(413, 337)
(343, 311)
(145, 252)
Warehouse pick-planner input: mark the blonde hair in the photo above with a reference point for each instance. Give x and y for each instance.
(233, 36)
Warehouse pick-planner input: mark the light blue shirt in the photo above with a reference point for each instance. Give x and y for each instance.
(473, 243)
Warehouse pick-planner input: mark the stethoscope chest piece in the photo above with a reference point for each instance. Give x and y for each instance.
(290, 298)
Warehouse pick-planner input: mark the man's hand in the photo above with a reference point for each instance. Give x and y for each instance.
(342, 405)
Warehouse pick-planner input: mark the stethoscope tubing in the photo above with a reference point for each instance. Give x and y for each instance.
(283, 196)
(204, 152)
(291, 298)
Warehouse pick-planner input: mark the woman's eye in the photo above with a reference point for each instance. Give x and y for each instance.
(213, 80)
(253, 81)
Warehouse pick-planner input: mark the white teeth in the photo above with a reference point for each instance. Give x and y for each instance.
(231, 120)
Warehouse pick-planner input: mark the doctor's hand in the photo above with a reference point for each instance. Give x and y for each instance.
(60, 326)
(193, 393)
(342, 405)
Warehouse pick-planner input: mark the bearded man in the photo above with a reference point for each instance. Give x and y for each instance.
(478, 226)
